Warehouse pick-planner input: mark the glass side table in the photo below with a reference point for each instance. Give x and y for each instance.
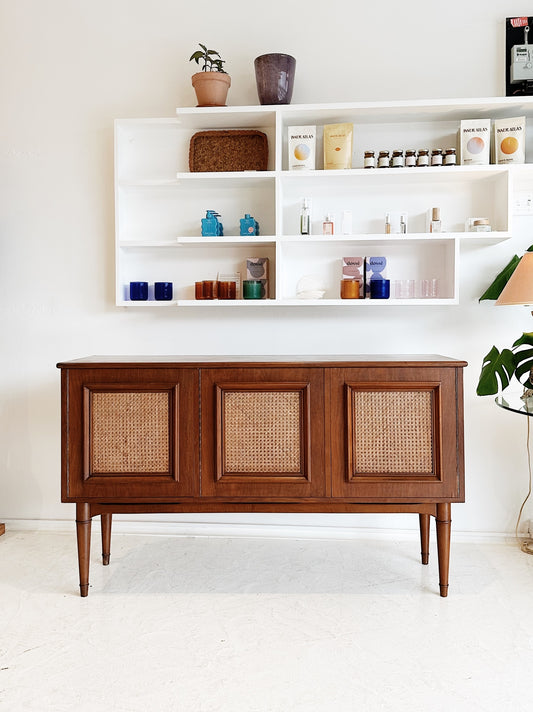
(516, 404)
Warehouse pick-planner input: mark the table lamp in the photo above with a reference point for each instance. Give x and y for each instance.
(519, 288)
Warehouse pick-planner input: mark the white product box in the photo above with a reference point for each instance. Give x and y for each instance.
(474, 142)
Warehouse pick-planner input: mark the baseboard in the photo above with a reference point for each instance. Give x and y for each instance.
(263, 530)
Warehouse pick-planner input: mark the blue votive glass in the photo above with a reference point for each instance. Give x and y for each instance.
(138, 291)
(163, 291)
(379, 288)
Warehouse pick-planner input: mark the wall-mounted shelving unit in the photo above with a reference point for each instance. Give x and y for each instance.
(159, 203)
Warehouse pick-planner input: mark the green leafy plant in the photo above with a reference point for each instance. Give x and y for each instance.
(499, 367)
(209, 59)
(496, 288)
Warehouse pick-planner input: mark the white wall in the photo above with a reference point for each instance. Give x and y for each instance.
(69, 67)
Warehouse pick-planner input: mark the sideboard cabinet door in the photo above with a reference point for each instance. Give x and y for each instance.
(397, 433)
(129, 433)
(263, 432)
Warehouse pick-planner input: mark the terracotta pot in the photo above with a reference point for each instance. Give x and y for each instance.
(211, 88)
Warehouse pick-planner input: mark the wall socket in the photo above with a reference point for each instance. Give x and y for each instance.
(523, 202)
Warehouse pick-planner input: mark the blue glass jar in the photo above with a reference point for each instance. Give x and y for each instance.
(163, 291)
(379, 288)
(138, 291)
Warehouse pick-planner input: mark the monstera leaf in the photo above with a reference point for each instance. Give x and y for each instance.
(496, 288)
(496, 366)
(523, 358)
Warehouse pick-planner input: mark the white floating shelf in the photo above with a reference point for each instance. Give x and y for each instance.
(159, 203)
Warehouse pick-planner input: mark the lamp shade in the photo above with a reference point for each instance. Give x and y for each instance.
(519, 289)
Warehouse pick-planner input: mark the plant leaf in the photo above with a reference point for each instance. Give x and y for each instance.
(496, 288)
(523, 358)
(497, 368)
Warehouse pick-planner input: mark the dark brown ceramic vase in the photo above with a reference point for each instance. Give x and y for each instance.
(274, 74)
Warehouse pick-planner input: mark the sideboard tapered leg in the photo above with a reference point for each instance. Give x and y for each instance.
(424, 537)
(444, 529)
(105, 523)
(83, 531)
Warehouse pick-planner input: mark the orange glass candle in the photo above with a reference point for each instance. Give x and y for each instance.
(227, 290)
(349, 289)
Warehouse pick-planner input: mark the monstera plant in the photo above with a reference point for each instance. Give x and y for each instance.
(499, 367)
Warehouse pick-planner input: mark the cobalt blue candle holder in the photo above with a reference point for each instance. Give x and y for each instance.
(379, 288)
(138, 291)
(163, 291)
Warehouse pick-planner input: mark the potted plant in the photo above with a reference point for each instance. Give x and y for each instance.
(499, 367)
(212, 83)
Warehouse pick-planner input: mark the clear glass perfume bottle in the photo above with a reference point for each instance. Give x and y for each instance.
(387, 224)
(305, 217)
(328, 225)
(435, 224)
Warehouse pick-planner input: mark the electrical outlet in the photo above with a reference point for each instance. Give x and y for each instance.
(523, 202)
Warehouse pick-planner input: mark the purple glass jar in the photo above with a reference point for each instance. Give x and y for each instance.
(274, 75)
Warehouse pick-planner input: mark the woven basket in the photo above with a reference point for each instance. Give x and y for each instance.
(228, 150)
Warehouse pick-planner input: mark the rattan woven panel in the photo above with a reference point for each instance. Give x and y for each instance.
(392, 432)
(262, 432)
(129, 432)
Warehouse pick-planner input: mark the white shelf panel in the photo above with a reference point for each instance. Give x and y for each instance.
(363, 111)
(371, 238)
(412, 175)
(407, 239)
(247, 303)
(147, 303)
(224, 175)
(362, 303)
(226, 241)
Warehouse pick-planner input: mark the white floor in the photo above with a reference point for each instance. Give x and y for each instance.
(181, 624)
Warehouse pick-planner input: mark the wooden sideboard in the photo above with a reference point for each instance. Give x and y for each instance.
(337, 434)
